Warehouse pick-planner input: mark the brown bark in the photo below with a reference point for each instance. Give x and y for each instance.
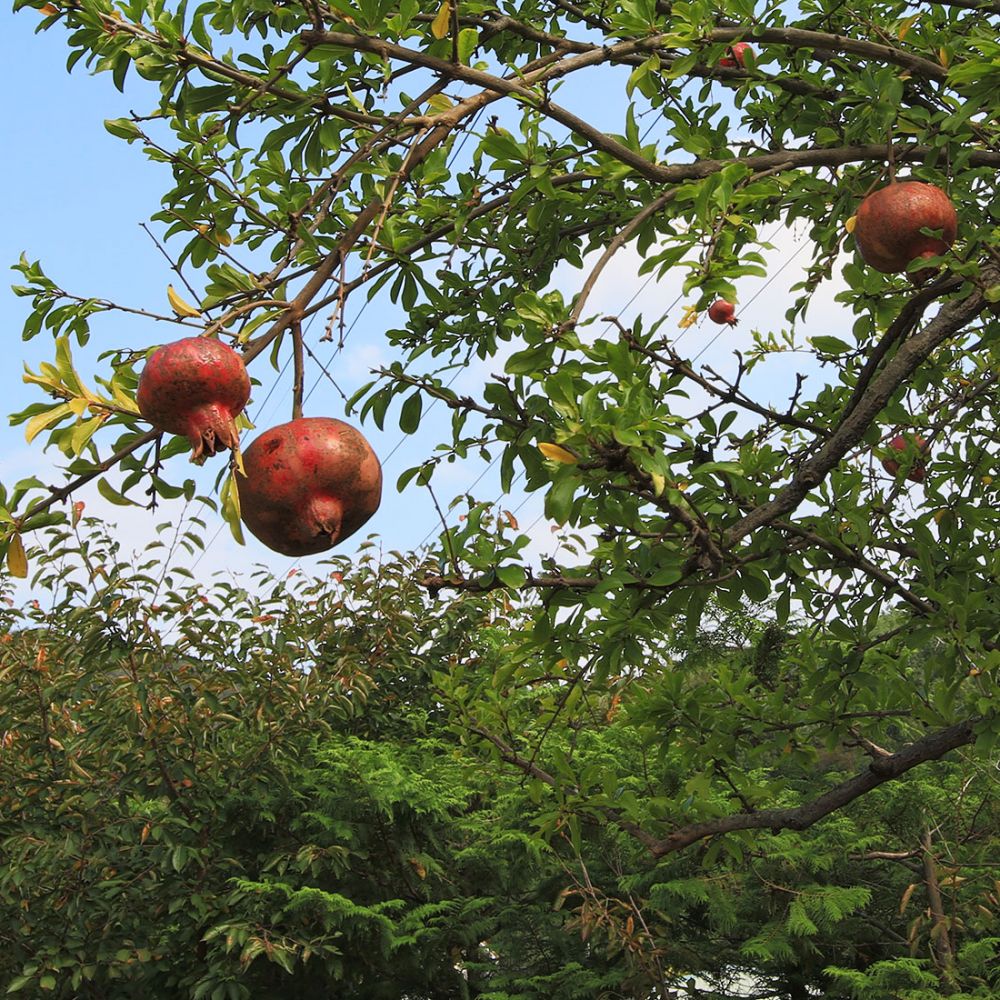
(940, 936)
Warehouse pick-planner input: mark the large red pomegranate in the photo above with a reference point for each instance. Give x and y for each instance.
(888, 224)
(195, 387)
(309, 484)
(721, 311)
(904, 445)
(736, 55)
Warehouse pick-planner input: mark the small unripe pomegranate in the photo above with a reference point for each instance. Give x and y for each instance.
(736, 55)
(901, 445)
(196, 387)
(721, 311)
(888, 224)
(309, 484)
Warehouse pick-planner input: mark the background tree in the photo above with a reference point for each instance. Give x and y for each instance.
(211, 793)
(317, 149)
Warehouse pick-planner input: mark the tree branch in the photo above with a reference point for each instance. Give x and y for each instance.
(801, 38)
(952, 317)
(931, 747)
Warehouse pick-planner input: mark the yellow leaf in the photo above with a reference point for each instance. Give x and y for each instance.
(75, 767)
(418, 867)
(851, 223)
(659, 483)
(441, 23)
(40, 421)
(689, 318)
(906, 897)
(945, 56)
(17, 561)
(179, 306)
(511, 520)
(48, 10)
(77, 511)
(231, 508)
(440, 102)
(557, 453)
(905, 25)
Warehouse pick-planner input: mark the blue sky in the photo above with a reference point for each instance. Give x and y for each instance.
(74, 196)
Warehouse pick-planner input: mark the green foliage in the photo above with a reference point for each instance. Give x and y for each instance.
(205, 790)
(749, 722)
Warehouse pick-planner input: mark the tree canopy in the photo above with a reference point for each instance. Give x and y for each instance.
(776, 620)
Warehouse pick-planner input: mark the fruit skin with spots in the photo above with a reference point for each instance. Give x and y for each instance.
(735, 56)
(901, 444)
(722, 311)
(195, 387)
(309, 484)
(888, 224)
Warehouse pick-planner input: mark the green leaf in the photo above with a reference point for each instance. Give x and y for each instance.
(123, 128)
(409, 414)
(512, 576)
(113, 496)
(468, 39)
(830, 345)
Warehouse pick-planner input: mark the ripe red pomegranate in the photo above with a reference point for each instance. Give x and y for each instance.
(309, 484)
(195, 387)
(736, 55)
(887, 229)
(721, 311)
(902, 445)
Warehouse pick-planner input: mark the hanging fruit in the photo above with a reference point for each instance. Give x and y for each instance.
(195, 387)
(905, 445)
(722, 311)
(889, 221)
(308, 484)
(736, 55)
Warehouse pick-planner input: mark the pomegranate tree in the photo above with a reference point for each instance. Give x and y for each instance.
(722, 311)
(309, 484)
(195, 387)
(905, 445)
(889, 223)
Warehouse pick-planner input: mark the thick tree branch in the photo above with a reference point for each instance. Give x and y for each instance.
(931, 747)
(848, 556)
(800, 38)
(521, 87)
(953, 316)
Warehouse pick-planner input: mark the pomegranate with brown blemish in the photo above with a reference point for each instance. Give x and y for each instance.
(889, 221)
(309, 484)
(195, 387)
